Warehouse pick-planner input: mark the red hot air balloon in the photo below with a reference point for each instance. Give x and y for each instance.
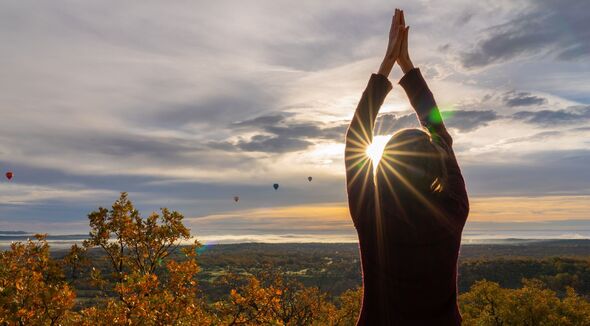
(9, 175)
(309, 179)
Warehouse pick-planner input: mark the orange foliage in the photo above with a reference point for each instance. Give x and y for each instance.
(32, 287)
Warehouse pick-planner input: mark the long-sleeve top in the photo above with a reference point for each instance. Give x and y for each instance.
(409, 270)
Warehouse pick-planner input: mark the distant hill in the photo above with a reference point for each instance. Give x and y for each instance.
(13, 232)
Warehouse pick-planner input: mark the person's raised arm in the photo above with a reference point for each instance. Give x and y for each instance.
(429, 115)
(359, 168)
(420, 95)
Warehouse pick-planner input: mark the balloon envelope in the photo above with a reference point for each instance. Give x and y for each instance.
(9, 175)
(276, 186)
(236, 198)
(309, 179)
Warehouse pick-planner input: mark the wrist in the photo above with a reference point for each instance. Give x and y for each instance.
(385, 68)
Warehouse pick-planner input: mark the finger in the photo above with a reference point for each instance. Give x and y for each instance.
(393, 21)
(402, 19)
(405, 41)
(399, 38)
(401, 33)
(393, 49)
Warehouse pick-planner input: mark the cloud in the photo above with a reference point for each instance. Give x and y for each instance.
(467, 121)
(293, 218)
(389, 123)
(273, 144)
(535, 137)
(557, 28)
(238, 99)
(262, 121)
(512, 99)
(534, 173)
(462, 120)
(281, 133)
(573, 115)
(531, 209)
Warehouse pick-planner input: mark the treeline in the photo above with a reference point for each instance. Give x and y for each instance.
(558, 274)
(144, 277)
(335, 268)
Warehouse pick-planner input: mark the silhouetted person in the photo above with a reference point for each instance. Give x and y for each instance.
(410, 215)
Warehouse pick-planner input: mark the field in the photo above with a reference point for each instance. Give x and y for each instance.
(335, 268)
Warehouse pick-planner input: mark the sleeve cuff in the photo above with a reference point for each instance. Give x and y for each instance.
(412, 82)
(381, 82)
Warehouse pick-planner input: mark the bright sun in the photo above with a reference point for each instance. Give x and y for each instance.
(375, 150)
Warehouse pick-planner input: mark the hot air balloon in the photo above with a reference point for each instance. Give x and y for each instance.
(236, 198)
(309, 179)
(276, 186)
(9, 175)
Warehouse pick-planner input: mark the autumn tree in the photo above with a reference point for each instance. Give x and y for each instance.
(248, 303)
(348, 307)
(33, 290)
(271, 298)
(149, 288)
(533, 304)
(299, 304)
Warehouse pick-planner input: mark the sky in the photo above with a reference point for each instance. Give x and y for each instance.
(185, 104)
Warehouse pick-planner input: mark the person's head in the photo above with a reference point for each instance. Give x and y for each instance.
(412, 165)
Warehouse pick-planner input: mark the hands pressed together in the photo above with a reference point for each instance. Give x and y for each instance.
(397, 48)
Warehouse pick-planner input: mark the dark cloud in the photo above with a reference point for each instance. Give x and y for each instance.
(513, 99)
(462, 120)
(554, 117)
(336, 133)
(279, 133)
(273, 144)
(559, 28)
(467, 121)
(296, 130)
(444, 47)
(464, 18)
(262, 121)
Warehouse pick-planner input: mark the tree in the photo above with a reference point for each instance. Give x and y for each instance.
(248, 303)
(484, 304)
(533, 304)
(272, 299)
(150, 289)
(349, 307)
(33, 290)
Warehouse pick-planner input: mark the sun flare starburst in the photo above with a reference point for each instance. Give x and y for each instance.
(375, 150)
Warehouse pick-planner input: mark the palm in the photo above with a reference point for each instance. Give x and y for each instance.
(395, 34)
(395, 41)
